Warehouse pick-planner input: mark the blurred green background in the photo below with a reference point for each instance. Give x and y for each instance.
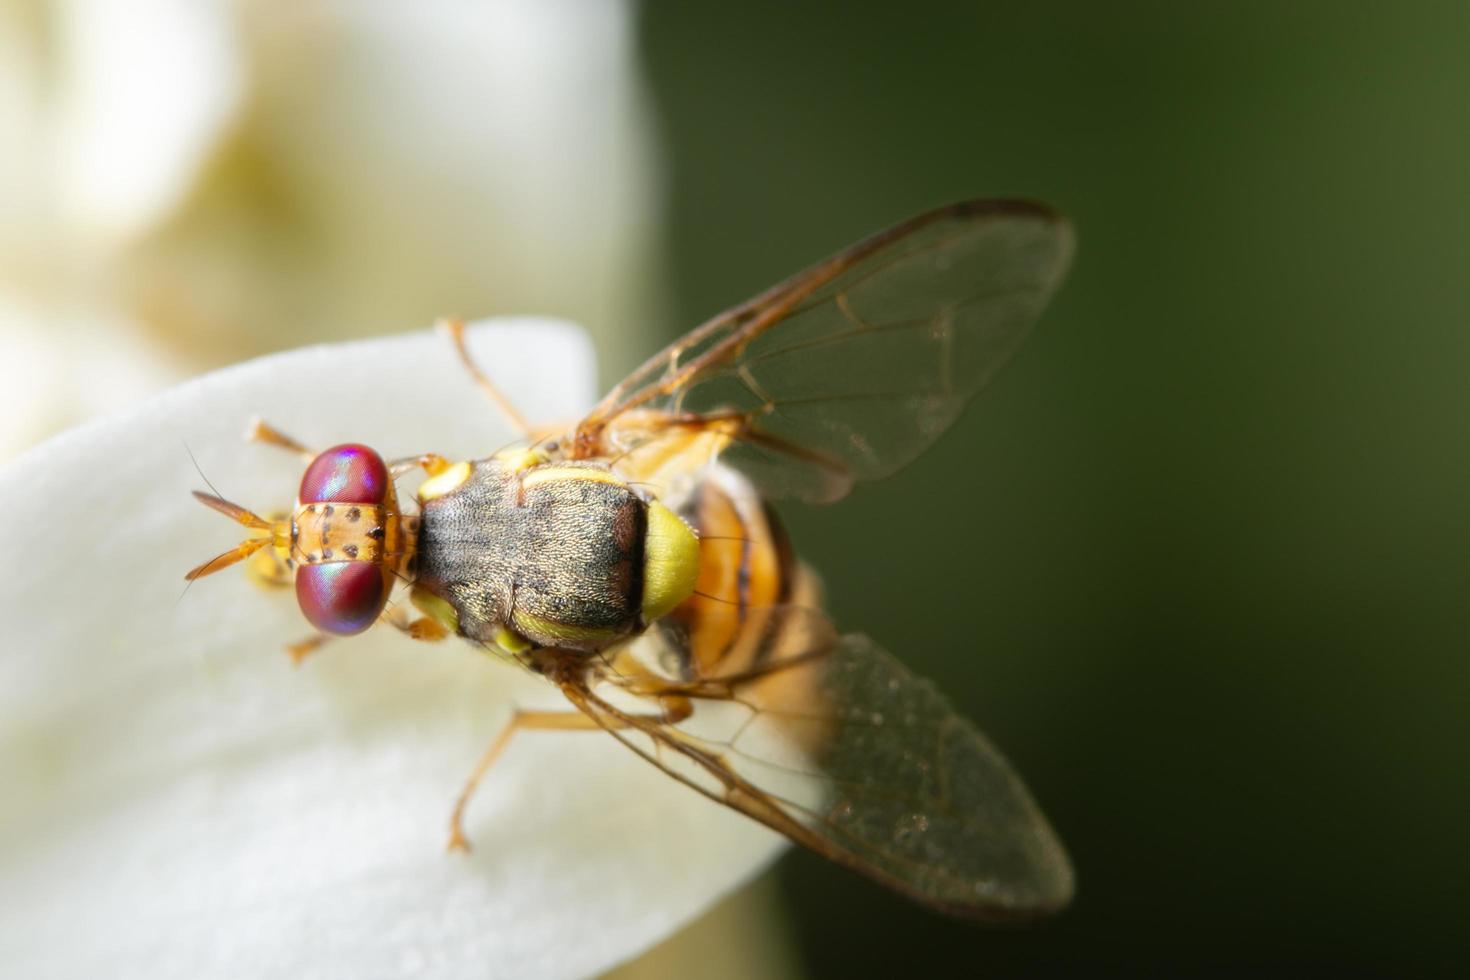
(1197, 559)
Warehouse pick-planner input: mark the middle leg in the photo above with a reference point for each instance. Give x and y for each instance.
(545, 721)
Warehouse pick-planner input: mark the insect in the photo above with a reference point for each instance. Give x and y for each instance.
(635, 562)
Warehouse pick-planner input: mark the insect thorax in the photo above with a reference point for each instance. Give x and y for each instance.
(558, 554)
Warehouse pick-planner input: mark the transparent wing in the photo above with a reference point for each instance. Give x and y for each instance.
(843, 750)
(849, 370)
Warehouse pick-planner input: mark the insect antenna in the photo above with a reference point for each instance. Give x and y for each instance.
(237, 514)
(200, 470)
(237, 554)
(233, 511)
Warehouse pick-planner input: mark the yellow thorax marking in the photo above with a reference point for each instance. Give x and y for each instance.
(450, 479)
(435, 608)
(511, 642)
(546, 629)
(548, 474)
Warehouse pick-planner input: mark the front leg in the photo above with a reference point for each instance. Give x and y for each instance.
(262, 431)
(424, 628)
(431, 463)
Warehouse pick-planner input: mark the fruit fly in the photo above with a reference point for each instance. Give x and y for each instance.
(634, 560)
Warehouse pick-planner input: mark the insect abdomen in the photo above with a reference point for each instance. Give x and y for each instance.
(746, 569)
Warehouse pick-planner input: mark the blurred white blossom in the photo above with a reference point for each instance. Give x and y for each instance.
(190, 182)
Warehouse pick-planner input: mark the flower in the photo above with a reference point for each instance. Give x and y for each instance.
(189, 183)
(182, 801)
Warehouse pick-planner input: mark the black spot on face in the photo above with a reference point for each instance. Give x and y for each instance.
(350, 551)
(353, 513)
(376, 534)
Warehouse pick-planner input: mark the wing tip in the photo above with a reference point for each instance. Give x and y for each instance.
(991, 208)
(981, 206)
(1043, 904)
(1005, 207)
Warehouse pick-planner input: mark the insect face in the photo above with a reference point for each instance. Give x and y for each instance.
(342, 520)
(344, 543)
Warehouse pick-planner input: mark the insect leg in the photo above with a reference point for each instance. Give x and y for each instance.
(423, 628)
(301, 649)
(546, 721)
(432, 464)
(675, 710)
(454, 329)
(261, 431)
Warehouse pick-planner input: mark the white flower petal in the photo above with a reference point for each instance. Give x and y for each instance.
(181, 802)
(59, 370)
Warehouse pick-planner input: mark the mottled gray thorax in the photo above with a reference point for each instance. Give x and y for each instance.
(559, 560)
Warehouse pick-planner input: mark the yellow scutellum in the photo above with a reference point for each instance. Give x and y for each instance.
(670, 562)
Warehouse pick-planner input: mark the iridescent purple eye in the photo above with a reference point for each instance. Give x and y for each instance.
(341, 597)
(348, 474)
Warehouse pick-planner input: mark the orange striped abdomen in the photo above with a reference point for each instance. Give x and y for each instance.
(746, 568)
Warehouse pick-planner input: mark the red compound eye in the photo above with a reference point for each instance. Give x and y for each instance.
(348, 474)
(341, 597)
